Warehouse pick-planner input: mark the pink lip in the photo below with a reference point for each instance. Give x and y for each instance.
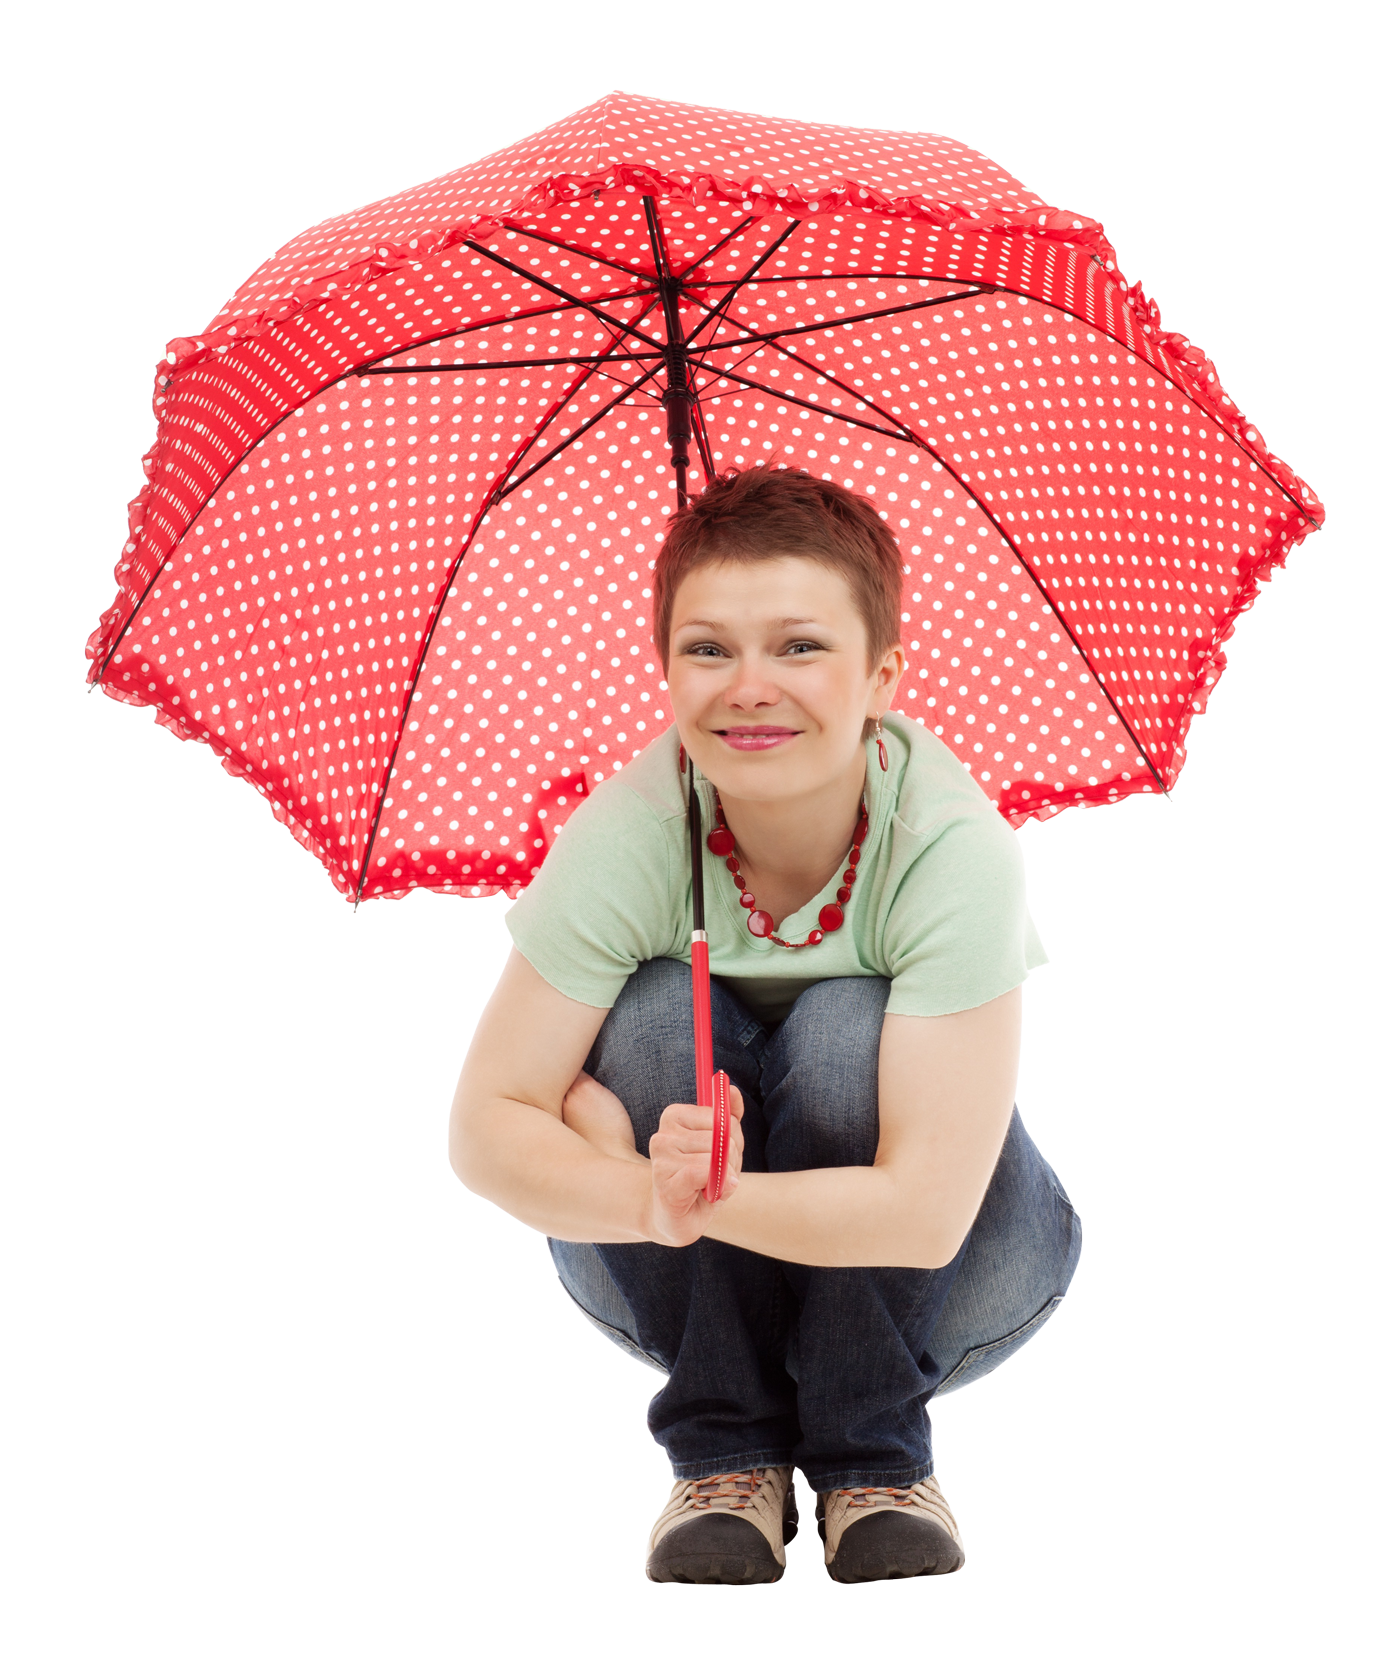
(756, 738)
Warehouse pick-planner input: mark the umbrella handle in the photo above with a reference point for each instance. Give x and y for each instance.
(719, 1138)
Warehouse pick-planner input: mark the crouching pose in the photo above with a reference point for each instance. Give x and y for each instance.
(887, 1231)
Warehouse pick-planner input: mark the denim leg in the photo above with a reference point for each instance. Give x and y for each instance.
(862, 1359)
(1020, 1257)
(717, 1317)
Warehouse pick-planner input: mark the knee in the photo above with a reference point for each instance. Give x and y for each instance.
(643, 1052)
(822, 1089)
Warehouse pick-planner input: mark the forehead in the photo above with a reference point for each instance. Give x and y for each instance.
(785, 586)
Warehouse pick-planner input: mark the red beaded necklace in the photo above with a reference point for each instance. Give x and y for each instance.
(831, 917)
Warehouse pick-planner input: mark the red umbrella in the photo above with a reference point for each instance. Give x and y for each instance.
(391, 561)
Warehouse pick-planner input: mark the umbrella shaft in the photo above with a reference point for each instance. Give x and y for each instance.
(700, 1007)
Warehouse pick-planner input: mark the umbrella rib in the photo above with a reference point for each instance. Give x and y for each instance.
(702, 435)
(715, 249)
(494, 365)
(720, 309)
(916, 440)
(847, 319)
(827, 278)
(493, 498)
(826, 412)
(618, 326)
(573, 436)
(485, 325)
(559, 244)
(715, 372)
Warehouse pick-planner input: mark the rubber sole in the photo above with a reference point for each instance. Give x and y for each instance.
(894, 1546)
(699, 1570)
(716, 1549)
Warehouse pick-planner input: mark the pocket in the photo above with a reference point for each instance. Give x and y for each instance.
(986, 1357)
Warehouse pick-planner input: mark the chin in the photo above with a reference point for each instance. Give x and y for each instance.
(759, 778)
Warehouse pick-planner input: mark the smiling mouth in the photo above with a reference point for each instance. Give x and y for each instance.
(755, 738)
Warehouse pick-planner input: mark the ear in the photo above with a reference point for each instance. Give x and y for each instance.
(887, 675)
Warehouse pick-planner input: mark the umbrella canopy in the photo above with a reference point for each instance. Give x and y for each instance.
(392, 558)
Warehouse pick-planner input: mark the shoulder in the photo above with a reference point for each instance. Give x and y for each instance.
(641, 807)
(937, 794)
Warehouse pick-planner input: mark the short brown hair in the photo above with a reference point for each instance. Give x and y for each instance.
(770, 511)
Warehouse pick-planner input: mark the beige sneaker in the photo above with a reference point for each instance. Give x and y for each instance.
(727, 1530)
(886, 1534)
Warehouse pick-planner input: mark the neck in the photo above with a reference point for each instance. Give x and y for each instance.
(791, 847)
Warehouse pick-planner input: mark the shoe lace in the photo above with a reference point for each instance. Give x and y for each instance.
(730, 1491)
(885, 1498)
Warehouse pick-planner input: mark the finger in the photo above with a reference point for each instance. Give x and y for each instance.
(685, 1116)
(736, 1102)
(679, 1152)
(682, 1193)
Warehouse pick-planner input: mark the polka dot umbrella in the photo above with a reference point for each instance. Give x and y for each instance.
(391, 560)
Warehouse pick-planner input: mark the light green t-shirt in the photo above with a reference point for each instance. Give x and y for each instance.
(939, 906)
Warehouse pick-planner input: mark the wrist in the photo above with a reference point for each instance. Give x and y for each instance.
(644, 1213)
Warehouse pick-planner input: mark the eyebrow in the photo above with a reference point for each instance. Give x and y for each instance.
(780, 622)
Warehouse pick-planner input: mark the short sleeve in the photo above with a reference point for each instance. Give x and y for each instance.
(602, 903)
(958, 933)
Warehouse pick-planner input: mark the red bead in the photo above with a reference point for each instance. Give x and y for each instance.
(760, 922)
(855, 855)
(862, 831)
(849, 875)
(813, 937)
(732, 862)
(741, 883)
(720, 841)
(831, 917)
(747, 902)
(844, 893)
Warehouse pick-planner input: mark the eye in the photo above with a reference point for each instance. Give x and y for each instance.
(801, 647)
(704, 648)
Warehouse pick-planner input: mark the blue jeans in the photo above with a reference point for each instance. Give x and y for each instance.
(770, 1362)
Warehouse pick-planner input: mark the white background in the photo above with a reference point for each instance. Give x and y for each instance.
(280, 1395)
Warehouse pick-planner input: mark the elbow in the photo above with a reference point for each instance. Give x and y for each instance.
(459, 1159)
(932, 1247)
(939, 1252)
(464, 1155)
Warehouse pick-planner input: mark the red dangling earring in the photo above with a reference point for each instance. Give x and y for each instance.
(880, 746)
(682, 762)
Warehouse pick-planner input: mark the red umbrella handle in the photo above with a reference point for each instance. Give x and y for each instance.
(711, 1085)
(719, 1138)
(700, 1013)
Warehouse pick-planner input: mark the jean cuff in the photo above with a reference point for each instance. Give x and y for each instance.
(902, 1476)
(690, 1470)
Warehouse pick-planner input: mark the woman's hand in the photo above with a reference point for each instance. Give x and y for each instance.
(597, 1115)
(680, 1169)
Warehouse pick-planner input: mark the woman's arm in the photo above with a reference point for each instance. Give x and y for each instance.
(947, 1085)
(553, 1148)
(946, 1089)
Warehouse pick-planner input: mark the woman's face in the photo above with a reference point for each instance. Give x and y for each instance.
(770, 678)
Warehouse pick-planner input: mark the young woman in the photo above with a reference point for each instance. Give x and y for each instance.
(887, 1230)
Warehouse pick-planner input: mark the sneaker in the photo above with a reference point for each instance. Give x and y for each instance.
(886, 1534)
(726, 1530)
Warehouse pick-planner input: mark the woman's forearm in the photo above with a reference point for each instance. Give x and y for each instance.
(840, 1217)
(527, 1162)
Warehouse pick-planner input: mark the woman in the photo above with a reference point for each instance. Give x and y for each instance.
(887, 1231)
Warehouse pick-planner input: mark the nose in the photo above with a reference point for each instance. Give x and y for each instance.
(750, 686)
